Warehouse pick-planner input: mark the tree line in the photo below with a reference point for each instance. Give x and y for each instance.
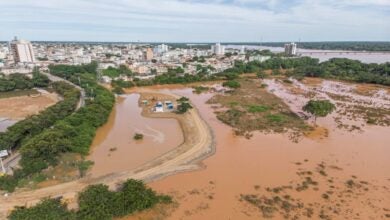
(336, 68)
(19, 81)
(96, 202)
(73, 133)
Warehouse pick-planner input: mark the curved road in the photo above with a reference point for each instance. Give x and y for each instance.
(13, 160)
(196, 147)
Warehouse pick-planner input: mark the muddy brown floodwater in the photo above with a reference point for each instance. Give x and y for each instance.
(254, 166)
(115, 150)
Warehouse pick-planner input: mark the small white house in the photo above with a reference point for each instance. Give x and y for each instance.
(159, 107)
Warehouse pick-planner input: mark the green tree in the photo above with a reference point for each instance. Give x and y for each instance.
(319, 108)
(183, 105)
(96, 202)
(47, 209)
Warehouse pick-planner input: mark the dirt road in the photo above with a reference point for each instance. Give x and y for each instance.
(198, 144)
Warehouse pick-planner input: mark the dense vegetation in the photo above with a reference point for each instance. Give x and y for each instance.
(24, 130)
(116, 72)
(183, 105)
(73, 134)
(21, 82)
(173, 76)
(336, 68)
(96, 202)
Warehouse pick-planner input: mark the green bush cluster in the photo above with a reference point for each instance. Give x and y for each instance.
(231, 84)
(96, 202)
(22, 82)
(22, 131)
(183, 105)
(74, 133)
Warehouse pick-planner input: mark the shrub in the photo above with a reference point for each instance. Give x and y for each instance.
(138, 136)
(232, 84)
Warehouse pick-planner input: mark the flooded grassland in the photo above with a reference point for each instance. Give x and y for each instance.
(337, 170)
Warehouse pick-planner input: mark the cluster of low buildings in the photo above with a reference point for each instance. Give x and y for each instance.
(145, 60)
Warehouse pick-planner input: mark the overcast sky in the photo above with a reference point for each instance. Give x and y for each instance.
(196, 20)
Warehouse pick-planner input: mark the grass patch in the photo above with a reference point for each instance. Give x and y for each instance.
(258, 108)
(200, 89)
(250, 108)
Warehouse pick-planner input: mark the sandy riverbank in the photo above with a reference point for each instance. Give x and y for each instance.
(198, 144)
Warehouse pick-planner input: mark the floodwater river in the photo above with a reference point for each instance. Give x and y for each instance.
(114, 148)
(351, 168)
(270, 160)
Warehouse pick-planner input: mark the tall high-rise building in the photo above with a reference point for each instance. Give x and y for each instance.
(163, 48)
(22, 51)
(242, 51)
(218, 49)
(148, 54)
(290, 49)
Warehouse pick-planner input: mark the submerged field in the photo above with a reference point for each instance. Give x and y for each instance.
(339, 170)
(269, 162)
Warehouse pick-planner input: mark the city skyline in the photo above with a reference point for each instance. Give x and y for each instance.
(196, 20)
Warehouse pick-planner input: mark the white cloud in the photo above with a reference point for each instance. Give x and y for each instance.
(214, 20)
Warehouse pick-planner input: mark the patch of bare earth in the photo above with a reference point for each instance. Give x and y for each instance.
(23, 106)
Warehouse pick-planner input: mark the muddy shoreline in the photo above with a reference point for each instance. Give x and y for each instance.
(196, 147)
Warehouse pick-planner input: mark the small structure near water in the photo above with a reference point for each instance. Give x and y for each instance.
(159, 107)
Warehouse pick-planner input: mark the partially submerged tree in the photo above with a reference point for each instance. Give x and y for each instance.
(319, 108)
(183, 105)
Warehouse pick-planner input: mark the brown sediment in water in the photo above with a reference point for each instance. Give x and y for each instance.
(317, 133)
(115, 150)
(268, 161)
(197, 145)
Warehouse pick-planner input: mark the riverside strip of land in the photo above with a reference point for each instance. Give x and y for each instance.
(198, 144)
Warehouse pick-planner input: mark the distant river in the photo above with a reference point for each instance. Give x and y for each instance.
(324, 55)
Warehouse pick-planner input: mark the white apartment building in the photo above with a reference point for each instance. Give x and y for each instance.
(290, 49)
(218, 49)
(22, 51)
(163, 48)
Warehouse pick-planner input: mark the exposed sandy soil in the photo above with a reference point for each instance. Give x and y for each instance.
(18, 108)
(185, 157)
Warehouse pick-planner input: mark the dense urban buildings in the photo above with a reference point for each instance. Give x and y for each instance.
(144, 60)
